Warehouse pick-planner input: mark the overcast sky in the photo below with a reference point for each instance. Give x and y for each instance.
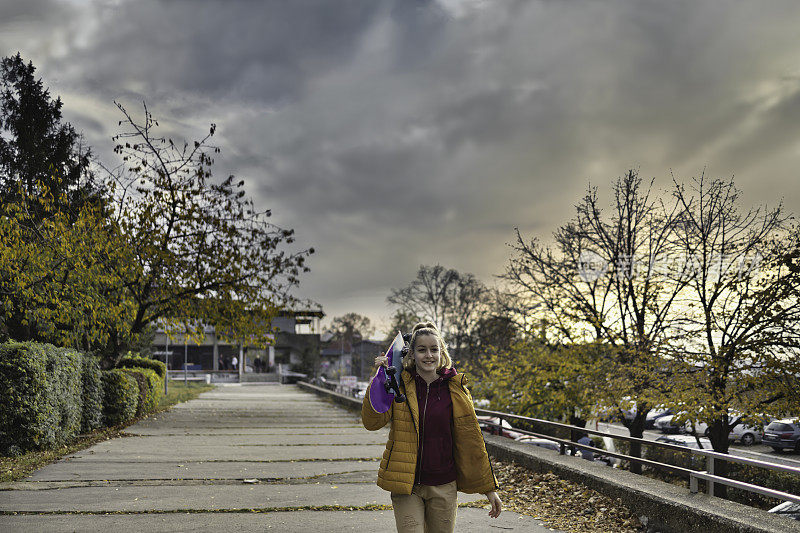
(394, 134)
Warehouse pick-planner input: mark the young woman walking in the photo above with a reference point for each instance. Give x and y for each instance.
(435, 445)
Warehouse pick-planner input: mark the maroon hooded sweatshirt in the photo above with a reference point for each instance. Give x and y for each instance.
(435, 463)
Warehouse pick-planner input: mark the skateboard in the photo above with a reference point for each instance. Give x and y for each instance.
(384, 387)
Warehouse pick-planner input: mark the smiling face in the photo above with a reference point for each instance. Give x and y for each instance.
(427, 356)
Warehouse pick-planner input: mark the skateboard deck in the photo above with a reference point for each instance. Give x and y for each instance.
(381, 399)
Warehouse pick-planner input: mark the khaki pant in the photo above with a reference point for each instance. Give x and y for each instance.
(426, 509)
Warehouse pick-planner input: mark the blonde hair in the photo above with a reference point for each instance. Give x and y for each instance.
(427, 328)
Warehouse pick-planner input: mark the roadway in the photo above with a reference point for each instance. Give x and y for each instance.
(757, 451)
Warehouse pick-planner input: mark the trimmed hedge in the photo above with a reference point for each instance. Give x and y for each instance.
(48, 395)
(150, 377)
(782, 481)
(40, 396)
(120, 397)
(23, 408)
(92, 411)
(132, 361)
(155, 389)
(141, 384)
(64, 367)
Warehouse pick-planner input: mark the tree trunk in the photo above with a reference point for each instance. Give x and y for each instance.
(636, 430)
(575, 420)
(718, 433)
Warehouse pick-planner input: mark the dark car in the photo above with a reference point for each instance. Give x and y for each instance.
(783, 434)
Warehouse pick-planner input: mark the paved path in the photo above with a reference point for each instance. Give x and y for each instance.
(239, 458)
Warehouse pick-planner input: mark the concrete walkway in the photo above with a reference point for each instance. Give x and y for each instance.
(239, 458)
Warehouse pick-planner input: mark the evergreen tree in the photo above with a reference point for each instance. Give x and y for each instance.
(36, 147)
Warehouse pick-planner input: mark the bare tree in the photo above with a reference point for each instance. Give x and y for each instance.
(741, 312)
(601, 283)
(351, 326)
(469, 302)
(402, 320)
(455, 302)
(428, 295)
(205, 254)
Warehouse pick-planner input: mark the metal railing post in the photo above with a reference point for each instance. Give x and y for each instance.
(710, 470)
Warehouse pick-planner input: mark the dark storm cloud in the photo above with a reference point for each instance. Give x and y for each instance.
(243, 51)
(433, 128)
(29, 11)
(24, 22)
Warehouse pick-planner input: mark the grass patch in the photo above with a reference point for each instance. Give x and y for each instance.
(180, 392)
(16, 468)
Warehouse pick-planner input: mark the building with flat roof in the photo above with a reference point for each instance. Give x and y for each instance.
(296, 345)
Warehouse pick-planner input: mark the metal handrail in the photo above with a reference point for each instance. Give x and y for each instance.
(694, 475)
(335, 386)
(695, 451)
(201, 371)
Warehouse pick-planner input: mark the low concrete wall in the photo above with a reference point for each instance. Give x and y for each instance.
(664, 507)
(345, 401)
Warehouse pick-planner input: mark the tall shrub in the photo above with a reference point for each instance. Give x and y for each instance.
(120, 397)
(40, 396)
(155, 389)
(132, 361)
(141, 384)
(23, 397)
(64, 366)
(151, 380)
(92, 408)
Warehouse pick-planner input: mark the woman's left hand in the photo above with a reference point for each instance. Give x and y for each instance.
(497, 505)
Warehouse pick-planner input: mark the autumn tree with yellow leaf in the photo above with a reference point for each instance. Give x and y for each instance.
(207, 255)
(160, 240)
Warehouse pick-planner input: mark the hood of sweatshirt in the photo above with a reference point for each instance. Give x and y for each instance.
(444, 373)
(447, 373)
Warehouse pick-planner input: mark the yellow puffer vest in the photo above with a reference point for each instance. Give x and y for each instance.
(398, 466)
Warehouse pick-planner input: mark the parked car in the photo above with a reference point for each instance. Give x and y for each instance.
(747, 435)
(481, 403)
(688, 441)
(666, 424)
(536, 441)
(787, 509)
(490, 425)
(653, 415)
(783, 434)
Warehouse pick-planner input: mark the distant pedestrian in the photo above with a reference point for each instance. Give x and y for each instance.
(235, 363)
(435, 446)
(586, 441)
